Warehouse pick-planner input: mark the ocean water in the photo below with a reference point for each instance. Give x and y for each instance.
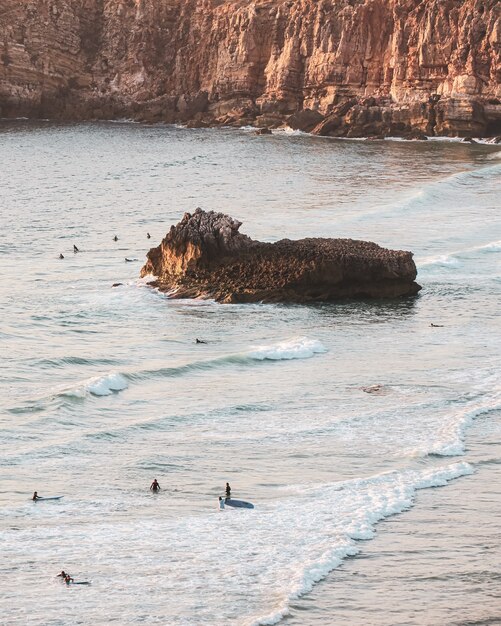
(104, 389)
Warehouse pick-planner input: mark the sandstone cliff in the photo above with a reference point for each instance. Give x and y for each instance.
(206, 256)
(338, 67)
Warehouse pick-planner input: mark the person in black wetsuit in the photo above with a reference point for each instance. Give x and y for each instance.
(75, 249)
(228, 491)
(155, 487)
(35, 496)
(63, 574)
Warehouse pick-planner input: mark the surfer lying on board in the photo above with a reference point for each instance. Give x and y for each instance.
(155, 487)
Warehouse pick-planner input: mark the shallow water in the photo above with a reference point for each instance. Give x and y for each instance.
(104, 389)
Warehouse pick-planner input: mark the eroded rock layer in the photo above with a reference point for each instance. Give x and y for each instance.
(205, 256)
(338, 67)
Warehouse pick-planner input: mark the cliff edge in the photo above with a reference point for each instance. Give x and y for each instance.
(205, 256)
(332, 67)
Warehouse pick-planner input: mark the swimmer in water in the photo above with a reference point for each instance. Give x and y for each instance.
(155, 487)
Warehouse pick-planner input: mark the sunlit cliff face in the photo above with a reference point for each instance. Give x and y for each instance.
(430, 66)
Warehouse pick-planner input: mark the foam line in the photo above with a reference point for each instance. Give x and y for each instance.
(359, 505)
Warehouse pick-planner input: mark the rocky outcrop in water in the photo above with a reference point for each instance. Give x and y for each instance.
(205, 256)
(333, 67)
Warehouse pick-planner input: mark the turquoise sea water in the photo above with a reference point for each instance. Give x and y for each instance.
(104, 389)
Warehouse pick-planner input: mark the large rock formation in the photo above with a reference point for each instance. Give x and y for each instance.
(206, 256)
(368, 67)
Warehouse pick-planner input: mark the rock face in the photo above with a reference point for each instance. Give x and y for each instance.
(355, 67)
(205, 256)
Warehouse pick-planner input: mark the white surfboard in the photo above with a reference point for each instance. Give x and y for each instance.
(48, 498)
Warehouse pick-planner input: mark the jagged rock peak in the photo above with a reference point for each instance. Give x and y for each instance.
(215, 233)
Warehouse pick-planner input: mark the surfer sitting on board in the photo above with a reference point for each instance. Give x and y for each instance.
(228, 491)
(35, 496)
(155, 487)
(68, 579)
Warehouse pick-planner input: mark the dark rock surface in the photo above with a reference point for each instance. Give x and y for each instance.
(206, 256)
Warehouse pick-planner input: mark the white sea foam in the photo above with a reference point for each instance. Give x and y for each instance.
(453, 259)
(493, 246)
(448, 439)
(98, 386)
(444, 260)
(277, 552)
(299, 348)
(342, 514)
(292, 131)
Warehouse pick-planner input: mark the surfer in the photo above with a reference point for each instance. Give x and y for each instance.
(228, 491)
(148, 235)
(197, 340)
(63, 575)
(75, 249)
(155, 487)
(68, 579)
(35, 496)
(221, 503)
(115, 238)
(61, 256)
(436, 325)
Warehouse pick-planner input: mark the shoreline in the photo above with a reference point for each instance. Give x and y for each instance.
(254, 130)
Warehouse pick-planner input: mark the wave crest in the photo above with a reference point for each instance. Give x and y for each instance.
(98, 386)
(300, 348)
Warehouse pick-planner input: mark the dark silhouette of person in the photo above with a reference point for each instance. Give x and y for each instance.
(155, 487)
(61, 256)
(115, 238)
(228, 491)
(197, 340)
(35, 496)
(148, 235)
(63, 574)
(75, 249)
(68, 579)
